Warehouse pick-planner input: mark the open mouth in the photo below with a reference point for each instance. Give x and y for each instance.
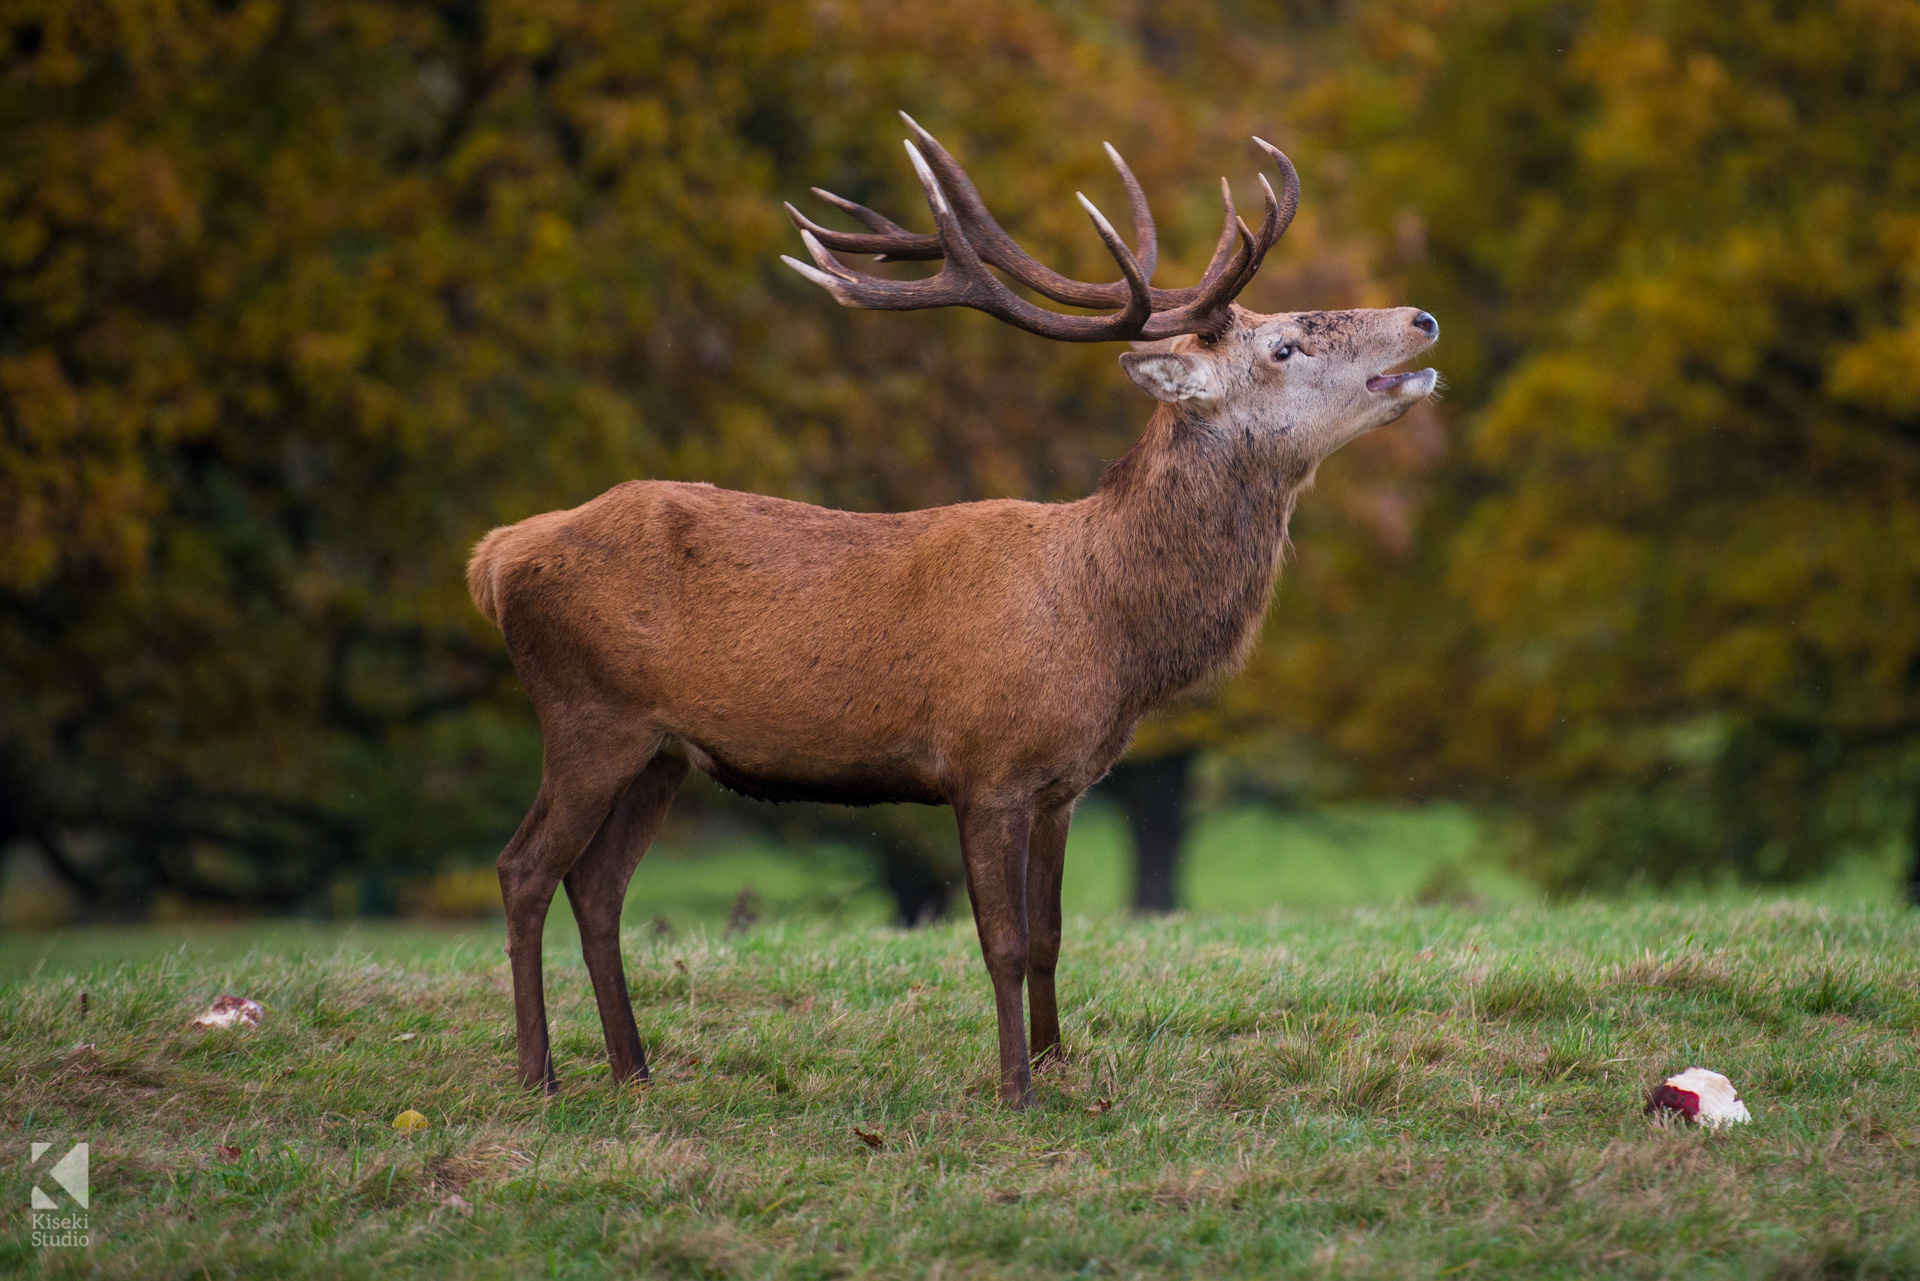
(1393, 382)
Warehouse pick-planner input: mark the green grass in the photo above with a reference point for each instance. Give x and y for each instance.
(1247, 859)
(1378, 1092)
(1241, 860)
(1253, 859)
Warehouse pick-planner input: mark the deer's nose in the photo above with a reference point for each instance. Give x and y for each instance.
(1426, 324)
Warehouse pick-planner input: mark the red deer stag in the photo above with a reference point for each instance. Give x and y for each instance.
(991, 656)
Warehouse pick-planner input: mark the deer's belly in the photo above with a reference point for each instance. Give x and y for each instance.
(867, 728)
(858, 785)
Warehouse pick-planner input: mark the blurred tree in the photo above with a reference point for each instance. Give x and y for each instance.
(1257, 65)
(1152, 791)
(1665, 599)
(297, 298)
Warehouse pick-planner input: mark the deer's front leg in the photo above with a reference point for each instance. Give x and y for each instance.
(993, 847)
(1046, 862)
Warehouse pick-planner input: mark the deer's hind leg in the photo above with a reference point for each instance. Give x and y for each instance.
(578, 788)
(597, 888)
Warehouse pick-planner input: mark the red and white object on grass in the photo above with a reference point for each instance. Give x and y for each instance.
(1701, 1096)
(231, 1011)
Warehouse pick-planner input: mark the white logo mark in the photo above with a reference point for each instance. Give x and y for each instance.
(70, 1172)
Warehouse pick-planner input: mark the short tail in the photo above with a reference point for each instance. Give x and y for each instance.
(482, 575)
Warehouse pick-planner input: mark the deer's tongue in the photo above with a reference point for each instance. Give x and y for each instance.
(1381, 382)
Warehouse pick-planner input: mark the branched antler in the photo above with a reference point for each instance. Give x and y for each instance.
(969, 239)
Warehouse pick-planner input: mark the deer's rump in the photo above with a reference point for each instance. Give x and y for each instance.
(792, 652)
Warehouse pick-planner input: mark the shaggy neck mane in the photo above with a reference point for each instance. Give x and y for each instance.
(1187, 531)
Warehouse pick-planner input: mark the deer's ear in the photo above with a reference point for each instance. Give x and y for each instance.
(1171, 376)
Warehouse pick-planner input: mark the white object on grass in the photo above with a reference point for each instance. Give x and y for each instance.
(1700, 1095)
(228, 1011)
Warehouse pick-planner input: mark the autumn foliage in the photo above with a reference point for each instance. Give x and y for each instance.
(297, 299)
(1665, 600)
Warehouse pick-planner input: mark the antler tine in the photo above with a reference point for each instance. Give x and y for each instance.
(912, 246)
(897, 244)
(1146, 237)
(1279, 210)
(1210, 298)
(991, 296)
(1140, 293)
(1223, 252)
(964, 280)
(1217, 291)
(1270, 229)
(1289, 183)
(985, 292)
(876, 222)
(1000, 249)
(894, 243)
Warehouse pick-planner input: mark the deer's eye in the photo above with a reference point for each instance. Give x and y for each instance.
(1283, 351)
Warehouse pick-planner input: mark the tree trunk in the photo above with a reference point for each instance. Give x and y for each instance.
(1154, 795)
(920, 893)
(1913, 869)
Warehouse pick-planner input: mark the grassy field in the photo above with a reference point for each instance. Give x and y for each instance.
(1375, 1092)
(1240, 859)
